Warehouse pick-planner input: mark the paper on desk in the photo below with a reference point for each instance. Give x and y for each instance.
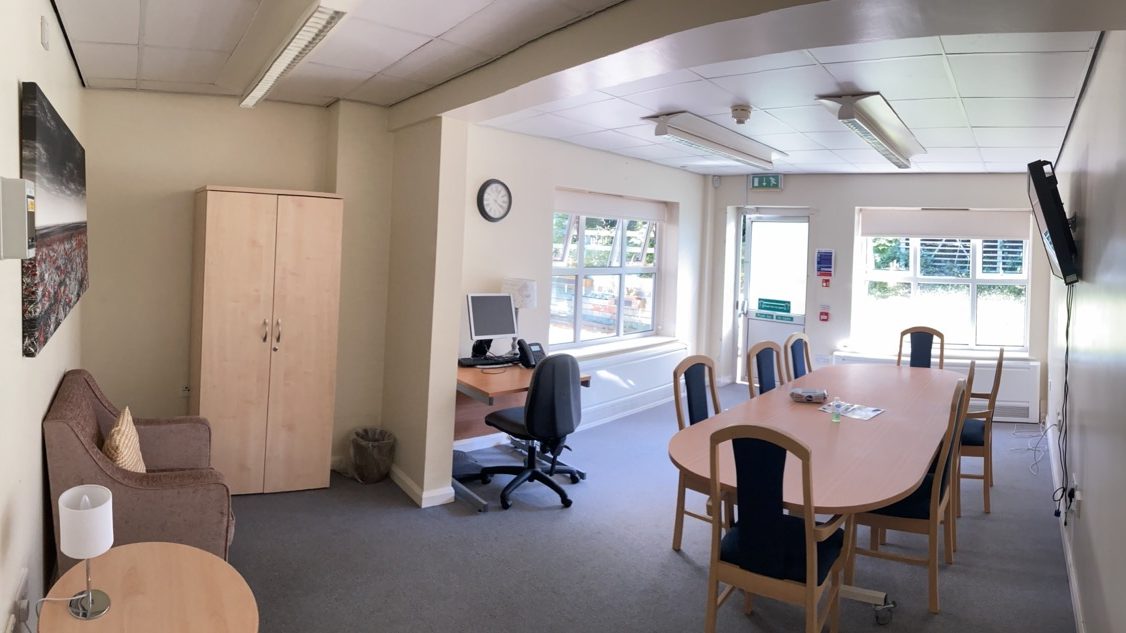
(856, 411)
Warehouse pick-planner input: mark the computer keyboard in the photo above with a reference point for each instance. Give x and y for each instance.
(492, 361)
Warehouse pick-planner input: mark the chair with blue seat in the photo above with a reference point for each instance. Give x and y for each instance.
(697, 374)
(788, 557)
(922, 511)
(977, 437)
(922, 344)
(764, 367)
(798, 361)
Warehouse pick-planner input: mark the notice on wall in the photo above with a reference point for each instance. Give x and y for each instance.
(824, 262)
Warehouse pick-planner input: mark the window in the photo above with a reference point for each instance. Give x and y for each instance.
(975, 291)
(603, 279)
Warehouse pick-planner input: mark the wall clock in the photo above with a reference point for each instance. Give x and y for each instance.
(494, 200)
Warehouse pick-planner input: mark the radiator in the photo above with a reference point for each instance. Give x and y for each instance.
(1018, 399)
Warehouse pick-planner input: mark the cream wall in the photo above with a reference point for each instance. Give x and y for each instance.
(28, 384)
(834, 200)
(147, 154)
(1091, 172)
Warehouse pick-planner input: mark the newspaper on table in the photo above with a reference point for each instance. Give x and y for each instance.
(856, 411)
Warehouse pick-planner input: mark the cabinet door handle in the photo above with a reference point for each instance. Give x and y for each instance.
(278, 339)
(265, 330)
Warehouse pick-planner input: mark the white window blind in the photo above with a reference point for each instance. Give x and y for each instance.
(607, 206)
(947, 223)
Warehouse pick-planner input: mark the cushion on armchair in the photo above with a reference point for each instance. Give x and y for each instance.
(123, 446)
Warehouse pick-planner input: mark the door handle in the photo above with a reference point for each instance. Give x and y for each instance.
(265, 330)
(277, 339)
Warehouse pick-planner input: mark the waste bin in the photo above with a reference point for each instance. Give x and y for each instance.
(373, 450)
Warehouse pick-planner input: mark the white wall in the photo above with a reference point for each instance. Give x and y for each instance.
(27, 385)
(1091, 171)
(833, 200)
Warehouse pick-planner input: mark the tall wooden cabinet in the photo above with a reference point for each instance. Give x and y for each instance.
(266, 295)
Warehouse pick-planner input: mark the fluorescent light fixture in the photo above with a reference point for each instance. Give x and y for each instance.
(709, 137)
(317, 23)
(871, 118)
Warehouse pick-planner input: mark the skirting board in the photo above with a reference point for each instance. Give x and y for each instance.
(1069, 560)
(426, 499)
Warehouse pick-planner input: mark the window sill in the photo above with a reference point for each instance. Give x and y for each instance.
(951, 354)
(592, 352)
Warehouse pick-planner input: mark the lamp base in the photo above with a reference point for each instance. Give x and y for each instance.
(89, 606)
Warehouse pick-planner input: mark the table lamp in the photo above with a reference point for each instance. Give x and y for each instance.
(85, 532)
(523, 293)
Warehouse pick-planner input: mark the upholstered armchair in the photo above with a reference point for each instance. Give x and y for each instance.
(181, 499)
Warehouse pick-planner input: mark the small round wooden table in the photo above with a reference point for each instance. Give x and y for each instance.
(164, 587)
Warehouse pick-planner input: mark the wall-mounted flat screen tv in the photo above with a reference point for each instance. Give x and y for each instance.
(1052, 221)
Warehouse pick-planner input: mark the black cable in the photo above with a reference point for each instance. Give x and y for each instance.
(1064, 495)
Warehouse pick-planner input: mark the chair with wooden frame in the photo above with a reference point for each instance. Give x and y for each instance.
(924, 509)
(922, 340)
(787, 557)
(977, 437)
(798, 361)
(763, 370)
(698, 373)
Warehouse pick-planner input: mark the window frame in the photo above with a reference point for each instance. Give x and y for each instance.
(976, 278)
(577, 227)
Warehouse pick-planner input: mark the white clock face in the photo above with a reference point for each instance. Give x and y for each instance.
(496, 201)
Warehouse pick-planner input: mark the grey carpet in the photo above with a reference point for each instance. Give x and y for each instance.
(364, 558)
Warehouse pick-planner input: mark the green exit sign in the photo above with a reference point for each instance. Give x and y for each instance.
(768, 182)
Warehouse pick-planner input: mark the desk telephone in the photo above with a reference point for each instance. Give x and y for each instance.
(530, 353)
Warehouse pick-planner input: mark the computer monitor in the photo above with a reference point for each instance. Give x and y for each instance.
(491, 315)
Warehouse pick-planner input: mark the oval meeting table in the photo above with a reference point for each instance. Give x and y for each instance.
(165, 587)
(857, 465)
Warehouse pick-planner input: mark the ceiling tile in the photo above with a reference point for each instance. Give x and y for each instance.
(108, 21)
(1019, 136)
(290, 94)
(697, 97)
(571, 102)
(651, 152)
(761, 122)
(880, 168)
(505, 25)
(607, 140)
(953, 168)
(780, 88)
(106, 61)
(111, 84)
(817, 156)
(362, 45)
(610, 114)
(862, 156)
(184, 87)
(1021, 155)
(590, 6)
(1007, 168)
(177, 64)
(551, 126)
(811, 118)
(1019, 74)
(946, 137)
(885, 49)
(1019, 112)
(709, 160)
(427, 17)
(776, 61)
(949, 155)
(923, 113)
(903, 78)
(215, 25)
(315, 79)
(644, 132)
(838, 140)
(1019, 42)
(435, 62)
(652, 83)
(385, 90)
(788, 142)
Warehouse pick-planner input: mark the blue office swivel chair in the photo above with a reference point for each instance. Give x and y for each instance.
(788, 557)
(698, 375)
(764, 367)
(922, 342)
(798, 361)
(551, 413)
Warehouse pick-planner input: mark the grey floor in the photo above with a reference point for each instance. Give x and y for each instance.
(364, 558)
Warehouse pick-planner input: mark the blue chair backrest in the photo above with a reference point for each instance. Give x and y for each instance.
(759, 466)
(797, 355)
(921, 343)
(553, 409)
(696, 388)
(767, 376)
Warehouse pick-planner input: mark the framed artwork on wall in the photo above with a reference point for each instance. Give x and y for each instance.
(52, 158)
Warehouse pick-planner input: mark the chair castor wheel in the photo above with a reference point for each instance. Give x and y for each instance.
(567, 503)
(582, 476)
(884, 612)
(486, 478)
(505, 504)
(574, 478)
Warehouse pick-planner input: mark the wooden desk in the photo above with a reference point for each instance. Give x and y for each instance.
(857, 465)
(482, 390)
(163, 587)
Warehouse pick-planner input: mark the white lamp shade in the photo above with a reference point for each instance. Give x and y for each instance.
(86, 521)
(523, 291)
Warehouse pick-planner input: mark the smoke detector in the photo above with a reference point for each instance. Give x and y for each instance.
(740, 113)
